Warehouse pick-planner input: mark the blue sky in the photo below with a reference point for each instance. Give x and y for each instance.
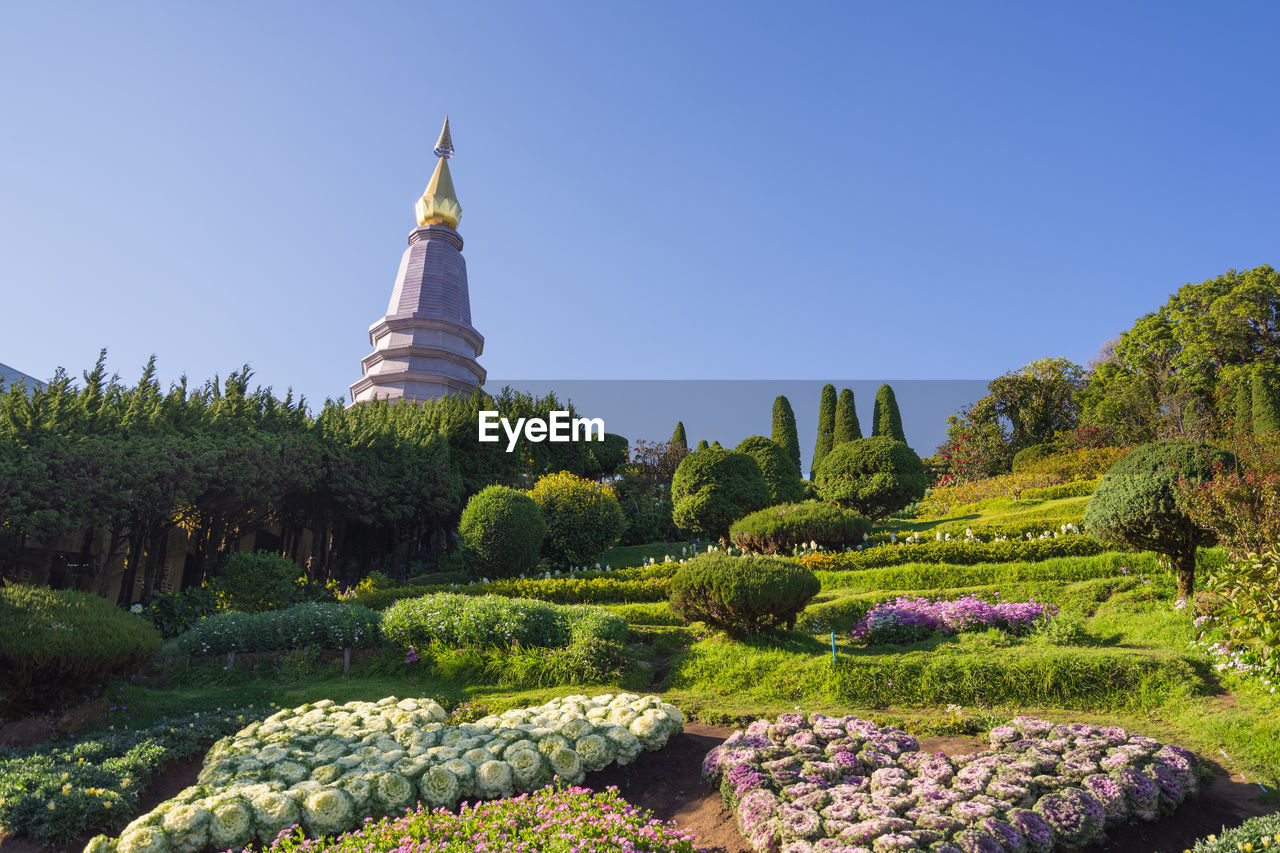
(700, 190)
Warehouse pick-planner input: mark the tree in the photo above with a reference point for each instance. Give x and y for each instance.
(678, 438)
(583, 518)
(846, 422)
(826, 426)
(1266, 399)
(782, 478)
(887, 422)
(702, 445)
(1137, 503)
(1243, 410)
(502, 532)
(713, 488)
(784, 430)
(874, 476)
(1038, 400)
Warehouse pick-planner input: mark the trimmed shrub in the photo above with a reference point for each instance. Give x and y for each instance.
(1266, 399)
(502, 532)
(846, 427)
(826, 427)
(583, 518)
(492, 620)
(678, 437)
(742, 595)
(313, 625)
(783, 528)
(712, 488)
(780, 475)
(875, 476)
(1027, 455)
(784, 430)
(887, 421)
(1136, 503)
(958, 553)
(55, 644)
(257, 582)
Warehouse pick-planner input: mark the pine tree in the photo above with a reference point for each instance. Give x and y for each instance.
(702, 445)
(826, 426)
(1266, 399)
(678, 438)
(846, 423)
(784, 429)
(715, 445)
(887, 421)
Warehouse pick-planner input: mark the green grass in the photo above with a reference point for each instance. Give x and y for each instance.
(625, 556)
(999, 512)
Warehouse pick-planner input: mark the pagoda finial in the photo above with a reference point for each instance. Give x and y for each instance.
(444, 145)
(439, 203)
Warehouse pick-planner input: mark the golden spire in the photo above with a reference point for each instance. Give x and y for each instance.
(439, 203)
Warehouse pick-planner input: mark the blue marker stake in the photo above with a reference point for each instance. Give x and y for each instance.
(833, 646)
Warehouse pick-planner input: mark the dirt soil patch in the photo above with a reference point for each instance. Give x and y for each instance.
(669, 784)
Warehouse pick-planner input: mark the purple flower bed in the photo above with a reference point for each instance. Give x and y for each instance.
(823, 784)
(907, 620)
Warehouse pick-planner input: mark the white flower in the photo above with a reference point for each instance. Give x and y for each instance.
(494, 779)
(327, 811)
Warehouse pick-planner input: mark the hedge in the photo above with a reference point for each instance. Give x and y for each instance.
(957, 553)
(493, 620)
(323, 626)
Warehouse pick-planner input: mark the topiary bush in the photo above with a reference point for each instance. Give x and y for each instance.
(783, 528)
(742, 595)
(257, 582)
(874, 476)
(781, 475)
(1137, 503)
(583, 518)
(502, 531)
(1027, 455)
(55, 644)
(887, 420)
(712, 488)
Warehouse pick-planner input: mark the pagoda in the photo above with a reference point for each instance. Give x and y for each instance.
(425, 346)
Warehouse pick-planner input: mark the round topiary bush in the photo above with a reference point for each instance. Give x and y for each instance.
(1136, 503)
(257, 582)
(783, 528)
(712, 488)
(56, 644)
(874, 476)
(583, 518)
(781, 475)
(742, 595)
(502, 532)
(1027, 455)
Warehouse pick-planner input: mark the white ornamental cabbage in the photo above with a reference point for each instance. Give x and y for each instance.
(230, 824)
(327, 811)
(393, 792)
(187, 828)
(273, 812)
(494, 780)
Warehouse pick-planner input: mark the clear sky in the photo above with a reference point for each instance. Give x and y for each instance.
(696, 190)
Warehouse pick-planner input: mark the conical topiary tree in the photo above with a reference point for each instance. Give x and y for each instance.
(784, 430)
(678, 438)
(1244, 404)
(1266, 399)
(702, 445)
(846, 425)
(887, 422)
(826, 426)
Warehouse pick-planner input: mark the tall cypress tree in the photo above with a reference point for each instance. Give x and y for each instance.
(846, 425)
(702, 445)
(1266, 399)
(784, 429)
(678, 438)
(887, 421)
(1244, 404)
(826, 426)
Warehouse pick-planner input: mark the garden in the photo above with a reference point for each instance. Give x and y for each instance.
(1059, 632)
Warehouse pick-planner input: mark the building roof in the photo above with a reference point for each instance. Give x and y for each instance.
(9, 375)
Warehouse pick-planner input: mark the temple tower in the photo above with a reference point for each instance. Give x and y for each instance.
(425, 346)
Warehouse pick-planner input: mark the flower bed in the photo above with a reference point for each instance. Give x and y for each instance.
(548, 821)
(841, 784)
(328, 766)
(908, 620)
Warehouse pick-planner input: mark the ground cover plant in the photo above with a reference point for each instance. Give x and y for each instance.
(314, 625)
(909, 619)
(818, 782)
(568, 820)
(56, 792)
(327, 767)
(489, 620)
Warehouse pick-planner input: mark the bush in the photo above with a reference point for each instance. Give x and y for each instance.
(957, 553)
(502, 532)
(712, 488)
(55, 644)
(741, 595)
(174, 612)
(1136, 503)
(783, 528)
(781, 475)
(257, 582)
(314, 625)
(875, 476)
(492, 620)
(583, 518)
(436, 579)
(1256, 833)
(1248, 607)
(1027, 455)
